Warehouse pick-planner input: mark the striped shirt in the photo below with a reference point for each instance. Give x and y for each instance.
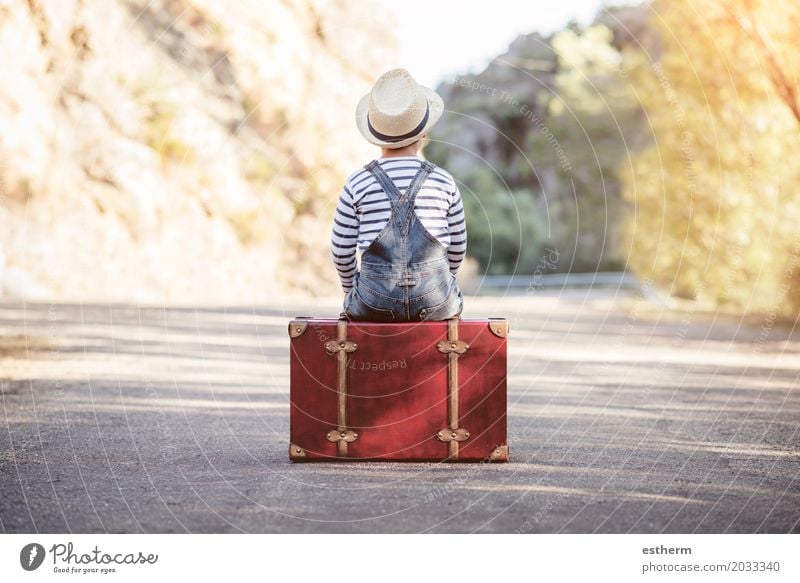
(364, 209)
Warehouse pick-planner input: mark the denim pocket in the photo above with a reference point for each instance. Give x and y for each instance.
(449, 308)
(358, 309)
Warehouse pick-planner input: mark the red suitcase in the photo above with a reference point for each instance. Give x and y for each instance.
(412, 391)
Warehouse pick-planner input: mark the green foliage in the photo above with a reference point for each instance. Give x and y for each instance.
(552, 118)
(503, 231)
(714, 206)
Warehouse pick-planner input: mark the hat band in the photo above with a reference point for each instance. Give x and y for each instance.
(412, 133)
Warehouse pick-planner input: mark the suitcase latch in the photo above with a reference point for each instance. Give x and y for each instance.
(334, 346)
(347, 435)
(457, 346)
(459, 434)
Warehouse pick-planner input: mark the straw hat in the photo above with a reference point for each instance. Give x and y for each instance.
(398, 110)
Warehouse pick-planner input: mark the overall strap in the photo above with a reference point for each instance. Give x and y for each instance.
(386, 183)
(410, 194)
(402, 204)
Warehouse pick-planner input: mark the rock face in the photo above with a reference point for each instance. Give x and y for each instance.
(178, 150)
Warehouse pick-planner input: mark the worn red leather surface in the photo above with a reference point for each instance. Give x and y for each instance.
(397, 391)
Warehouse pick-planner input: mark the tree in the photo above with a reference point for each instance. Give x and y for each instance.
(713, 197)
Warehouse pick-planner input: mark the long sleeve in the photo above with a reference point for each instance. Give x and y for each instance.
(457, 227)
(344, 238)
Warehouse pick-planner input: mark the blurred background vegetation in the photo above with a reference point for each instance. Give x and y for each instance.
(661, 139)
(538, 138)
(176, 150)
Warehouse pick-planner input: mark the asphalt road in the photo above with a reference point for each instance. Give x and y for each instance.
(623, 417)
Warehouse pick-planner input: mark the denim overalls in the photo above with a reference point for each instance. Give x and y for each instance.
(404, 275)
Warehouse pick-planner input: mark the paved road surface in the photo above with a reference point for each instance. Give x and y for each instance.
(622, 418)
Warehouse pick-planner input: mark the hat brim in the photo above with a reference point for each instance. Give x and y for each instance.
(436, 108)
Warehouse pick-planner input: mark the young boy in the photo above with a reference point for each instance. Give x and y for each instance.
(402, 213)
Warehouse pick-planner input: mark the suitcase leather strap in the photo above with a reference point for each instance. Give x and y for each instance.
(341, 347)
(453, 347)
